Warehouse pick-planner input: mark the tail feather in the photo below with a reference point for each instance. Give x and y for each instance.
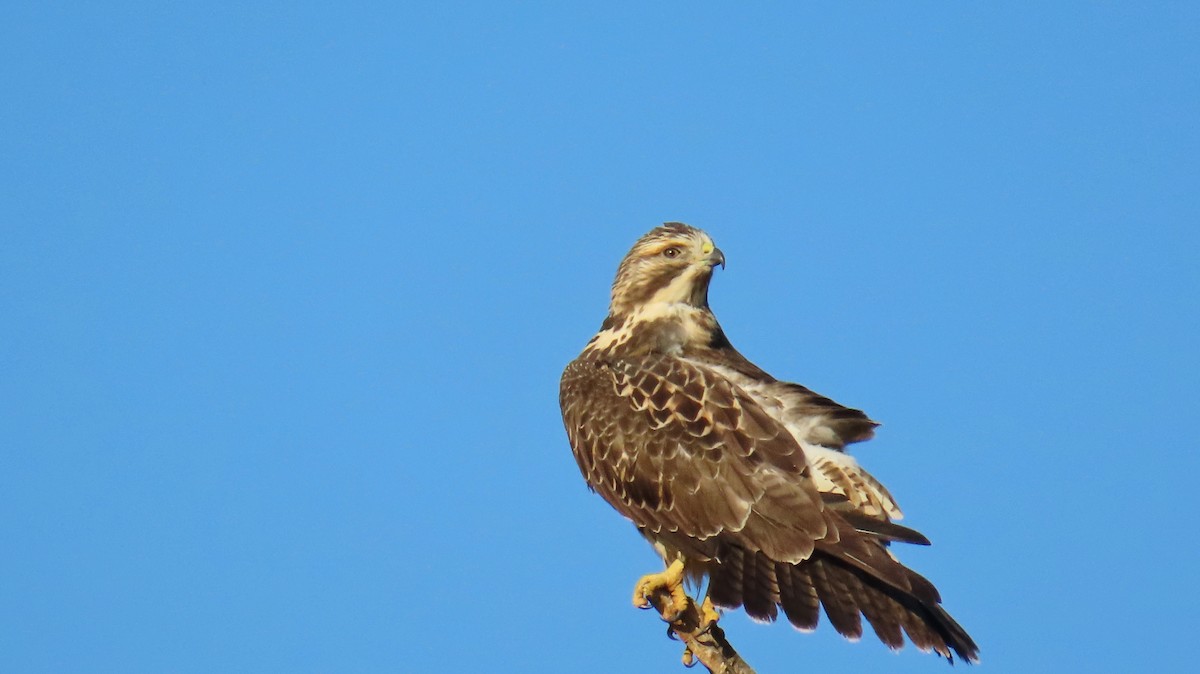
(848, 593)
(725, 580)
(797, 596)
(884, 613)
(761, 588)
(840, 605)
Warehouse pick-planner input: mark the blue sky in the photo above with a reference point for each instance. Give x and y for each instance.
(288, 289)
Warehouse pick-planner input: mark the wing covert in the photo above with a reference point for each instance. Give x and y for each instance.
(678, 448)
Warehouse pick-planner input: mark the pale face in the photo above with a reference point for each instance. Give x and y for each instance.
(670, 265)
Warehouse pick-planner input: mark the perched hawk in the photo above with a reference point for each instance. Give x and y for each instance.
(733, 474)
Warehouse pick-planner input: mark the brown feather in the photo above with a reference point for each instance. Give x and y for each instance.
(798, 596)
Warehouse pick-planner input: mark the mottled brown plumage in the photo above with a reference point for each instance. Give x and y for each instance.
(739, 475)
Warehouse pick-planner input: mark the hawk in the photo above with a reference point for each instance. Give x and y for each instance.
(732, 474)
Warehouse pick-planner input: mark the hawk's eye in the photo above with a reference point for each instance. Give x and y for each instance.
(672, 252)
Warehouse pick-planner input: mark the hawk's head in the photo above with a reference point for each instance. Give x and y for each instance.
(671, 264)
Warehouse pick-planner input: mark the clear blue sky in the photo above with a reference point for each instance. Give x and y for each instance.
(287, 291)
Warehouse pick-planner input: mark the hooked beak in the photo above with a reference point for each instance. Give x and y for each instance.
(716, 258)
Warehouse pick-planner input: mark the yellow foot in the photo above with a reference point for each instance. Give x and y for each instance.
(670, 580)
(709, 615)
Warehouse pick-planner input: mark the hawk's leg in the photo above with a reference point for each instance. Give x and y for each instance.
(709, 615)
(669, 581)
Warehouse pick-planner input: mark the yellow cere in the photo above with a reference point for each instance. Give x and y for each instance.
(707, 247)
